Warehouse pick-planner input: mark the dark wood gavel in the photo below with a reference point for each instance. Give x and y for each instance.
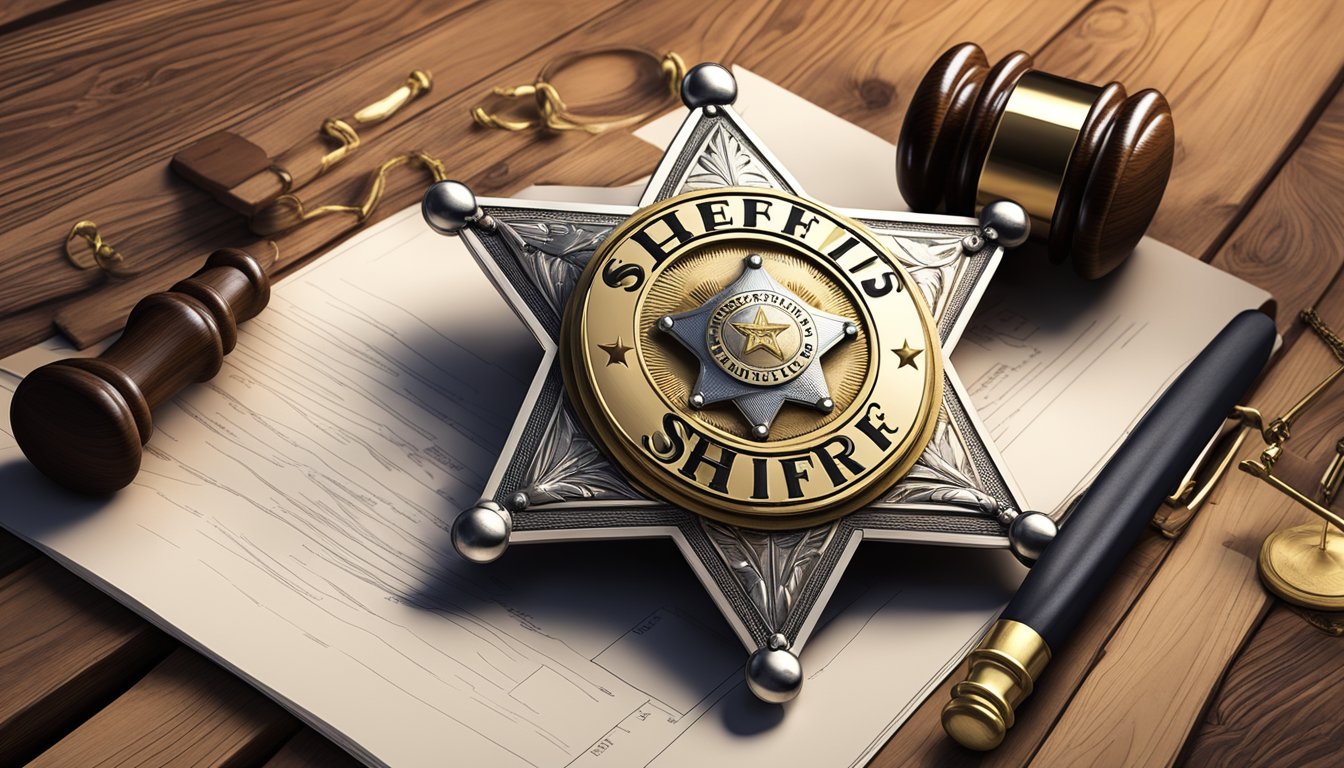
(1089, 163)
(83, 421)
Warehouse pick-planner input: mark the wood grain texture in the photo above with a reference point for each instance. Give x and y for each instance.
(1268, 711)
(1253, 253)
(66, 649)
(14, 553)
(307, 749)
(91, 97)
(1289, 243)
(1286, 243)
(1242, 84)
(157, 213)
(185, 711)
(99, 96)
(16, 14)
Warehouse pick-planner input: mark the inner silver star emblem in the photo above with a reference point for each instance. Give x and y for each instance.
(553, 483)
(759, 345)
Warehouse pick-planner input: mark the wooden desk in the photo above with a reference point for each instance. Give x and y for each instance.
(1185, 660)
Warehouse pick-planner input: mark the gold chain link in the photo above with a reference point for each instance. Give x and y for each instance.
(288, 210)
(555, 115)
(1331, 339)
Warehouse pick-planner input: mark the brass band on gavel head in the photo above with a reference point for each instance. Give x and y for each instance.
(1088, 163)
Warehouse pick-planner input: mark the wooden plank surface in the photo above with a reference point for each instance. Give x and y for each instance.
(461, 69)
(93, 96)
(1269, 709)
(861, 64)
(1288, 243)
(307, 749)
(1243, 84)
(186, 711)
(731, 32)
(145, 211)
(65, 651)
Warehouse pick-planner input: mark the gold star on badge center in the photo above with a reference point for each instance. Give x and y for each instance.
(907, 354)
(762, 334)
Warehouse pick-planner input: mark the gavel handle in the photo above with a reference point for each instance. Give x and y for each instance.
(83, 421)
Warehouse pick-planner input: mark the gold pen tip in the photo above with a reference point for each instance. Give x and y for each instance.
(973, 723)
(1001, 672)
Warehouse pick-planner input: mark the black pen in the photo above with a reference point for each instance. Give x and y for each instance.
(1102, 528)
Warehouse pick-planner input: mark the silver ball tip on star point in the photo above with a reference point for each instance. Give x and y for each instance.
(481, 533)
(1029, 533)
(1006, 223)
(708, 85)
(774, 673)
(449, 206)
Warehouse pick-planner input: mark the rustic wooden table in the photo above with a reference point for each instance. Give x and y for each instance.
(1185, 660)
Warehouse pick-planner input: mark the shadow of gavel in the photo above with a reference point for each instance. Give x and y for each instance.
(84, 421)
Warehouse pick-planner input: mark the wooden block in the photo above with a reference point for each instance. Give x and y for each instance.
(185, 711)
(1279, 703)
(308, 749)
(219, 161)
(66, 650)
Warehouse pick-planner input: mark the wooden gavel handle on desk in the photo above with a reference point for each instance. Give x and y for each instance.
(83, 421)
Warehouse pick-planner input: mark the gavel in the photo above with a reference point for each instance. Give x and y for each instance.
(1088, 163)
(84, 421)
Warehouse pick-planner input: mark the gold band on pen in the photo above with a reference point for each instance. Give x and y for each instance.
(1003, 671)
(1029, 153)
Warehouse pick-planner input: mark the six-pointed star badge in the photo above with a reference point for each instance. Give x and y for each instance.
(737, 367)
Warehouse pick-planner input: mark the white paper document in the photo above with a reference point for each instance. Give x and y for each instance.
(291, 518)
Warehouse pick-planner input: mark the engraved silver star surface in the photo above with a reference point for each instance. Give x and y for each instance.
(759, 403)
(559, 486)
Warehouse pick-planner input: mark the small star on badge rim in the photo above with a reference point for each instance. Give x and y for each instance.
(907, 354)
(762, 334)
(616, 352)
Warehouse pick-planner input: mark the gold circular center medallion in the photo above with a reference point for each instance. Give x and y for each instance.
(753, 357)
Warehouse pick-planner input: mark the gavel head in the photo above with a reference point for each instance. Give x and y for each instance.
(1088, 163)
